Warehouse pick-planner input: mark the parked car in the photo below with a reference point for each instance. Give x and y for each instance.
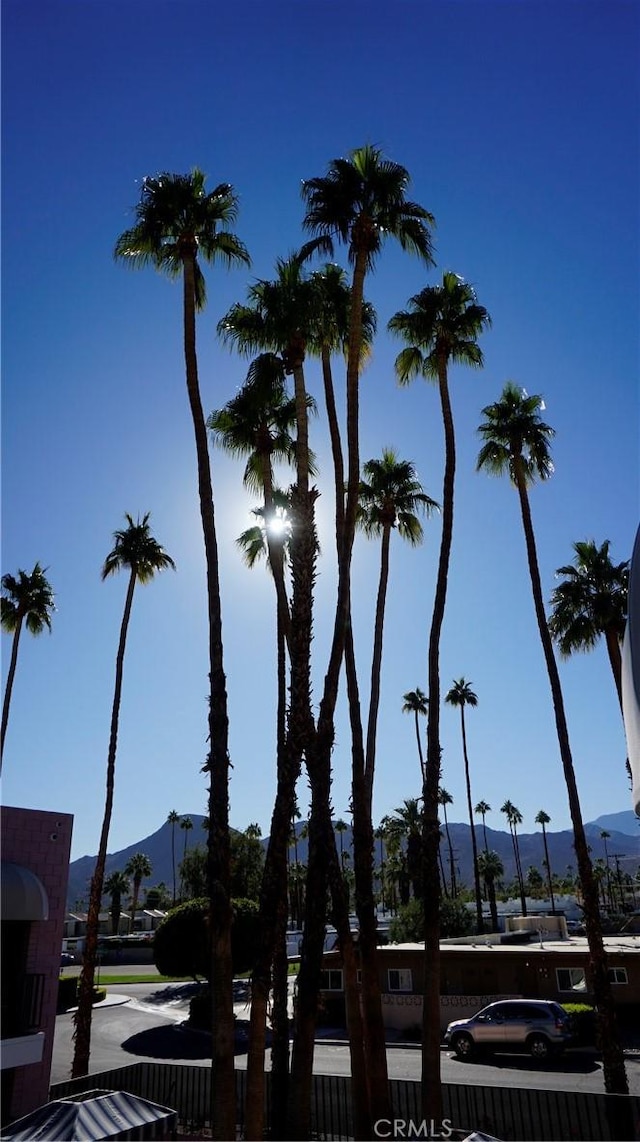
(538, 1026)
(66, 960)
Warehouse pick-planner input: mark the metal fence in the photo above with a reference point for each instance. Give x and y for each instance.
(514, 1114)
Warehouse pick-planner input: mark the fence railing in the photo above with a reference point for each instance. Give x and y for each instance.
(513, 1114)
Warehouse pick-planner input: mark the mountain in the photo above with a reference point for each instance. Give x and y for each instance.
(157, 846)
(623, 846)
(625, 822)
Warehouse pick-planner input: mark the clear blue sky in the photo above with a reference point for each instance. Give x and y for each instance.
(519, 124)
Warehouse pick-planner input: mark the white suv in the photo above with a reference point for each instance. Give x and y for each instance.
(538, 1026)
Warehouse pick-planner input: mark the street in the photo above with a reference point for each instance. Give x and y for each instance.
(148, 1026)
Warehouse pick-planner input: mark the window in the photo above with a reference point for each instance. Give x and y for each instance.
(331, 980)
(400, 979)
(571, 979)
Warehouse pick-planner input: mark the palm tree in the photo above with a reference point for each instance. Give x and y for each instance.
(483, 808)
(590, 603)
(360, 201)
(117, 886)
(173, 819)
(391, 498)
(543, 819)
(441, 327)
(516, 441)
(445, 799)
(257, 423)
(340, 828)
(138, 867)
(462, 695)
(415, 702)
(491, 869)
(605, 836)
(135, 550)
(514, 818)
(406, 824)
(178, 222)
(187, 824)
(29, 600)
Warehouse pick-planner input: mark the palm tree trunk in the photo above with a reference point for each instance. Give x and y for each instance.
(484, 831)
(431, 1082)
(615, 659)
(474, 845)
(223, 1101)
(615, 1076)
(9, 687)
(173, 859)
(134, 903)
(452, 863)
(548, 864)
(491, 893)
(516, 845)
(363, 841)
(443, 879)
(420, 754)
(82, 1020)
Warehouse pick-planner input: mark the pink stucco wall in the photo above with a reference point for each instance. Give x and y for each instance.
(41, 842)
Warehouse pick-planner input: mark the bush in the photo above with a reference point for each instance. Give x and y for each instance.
(582, 1018)
(408, 925)
(181, 945)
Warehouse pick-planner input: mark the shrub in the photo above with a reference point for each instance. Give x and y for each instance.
(181, 946)
(408, 925)
(582, 1018)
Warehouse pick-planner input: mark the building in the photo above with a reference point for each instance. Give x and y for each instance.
(479, 970)
(35, 865)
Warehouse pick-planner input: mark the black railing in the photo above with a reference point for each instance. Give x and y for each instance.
(519, 1114)
(22, 1005)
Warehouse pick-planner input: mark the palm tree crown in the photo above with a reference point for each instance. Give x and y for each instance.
(362, 201)
(461, 694)
(177, 218)
(258, 421)
(515, 437)
(591, 601)
(136, 549)
(390, 497)
(28, 598)
(441, 325)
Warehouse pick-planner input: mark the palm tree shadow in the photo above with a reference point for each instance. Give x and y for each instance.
(173, 1041)
(577, 1063)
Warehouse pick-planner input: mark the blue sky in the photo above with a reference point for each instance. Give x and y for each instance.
(519, 124)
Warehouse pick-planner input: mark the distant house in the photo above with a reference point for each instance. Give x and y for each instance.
(476, 972)
(35, 866)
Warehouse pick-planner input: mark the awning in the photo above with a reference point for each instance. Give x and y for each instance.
(100, 1115)
(23, 895)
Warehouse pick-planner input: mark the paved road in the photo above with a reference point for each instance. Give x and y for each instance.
(147, 1027)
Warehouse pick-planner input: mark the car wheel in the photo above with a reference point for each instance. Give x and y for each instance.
(463, 1046)
(539, 1047)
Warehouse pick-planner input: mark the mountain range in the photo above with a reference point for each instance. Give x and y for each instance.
(623, 846)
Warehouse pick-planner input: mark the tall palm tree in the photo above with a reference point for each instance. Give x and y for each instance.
(177, 223)
(604, 837)
(440, 328)
(29, 600)
(543, 820)
(136, 551)
(257, 422)
(186, 824)
(138, 867)
(361, 201)
(491, 869)
(462, 695)
(516, 442)
(444, 799)
(391, 498)
(406, 824)
(483, 808)
(173, 820)
(341, 827)
(514, 818)
(117, 886)
(415, 702)
(591, 603)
